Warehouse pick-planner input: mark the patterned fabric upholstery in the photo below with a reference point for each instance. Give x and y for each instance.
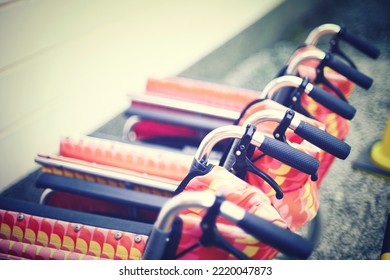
(31, 237)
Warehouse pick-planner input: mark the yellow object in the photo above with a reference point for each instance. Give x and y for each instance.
(380, 152)
(385, 256)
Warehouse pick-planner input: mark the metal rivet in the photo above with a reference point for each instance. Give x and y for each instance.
(294, 99)
(20, 217)
(238, 153)
(132, 136)
(76, 227)
(118, 235)
(137, 239)
(277, 135)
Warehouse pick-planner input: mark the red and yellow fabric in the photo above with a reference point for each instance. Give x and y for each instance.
(34, 237)
(22, 250)
(300, 202)
(220, 181)
(141, 159)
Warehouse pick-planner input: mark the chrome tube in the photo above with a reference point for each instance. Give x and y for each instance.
(221, 133)
(322, 30)
(175, 205)
(301, 57)
(127, 131)
(281, 82)
(270, 115)
(159, 236)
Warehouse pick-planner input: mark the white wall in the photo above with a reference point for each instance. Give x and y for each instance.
(66, 66)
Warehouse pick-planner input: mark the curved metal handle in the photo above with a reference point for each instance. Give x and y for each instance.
(343, 69)
(322, 30)
(224, 132)
(342, 33)
(323, 97)
(283, 240)
(312, 134)
(276, 149)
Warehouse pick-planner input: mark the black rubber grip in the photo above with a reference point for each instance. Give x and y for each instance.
(289, 155)
(347, 71)
(323, 140)
(359, 43)
(284, 240)
(333, 103)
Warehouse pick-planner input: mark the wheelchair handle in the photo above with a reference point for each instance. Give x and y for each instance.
(320, 31)
(334, 29)
(281, 239)
(270, 146)
(343, 69)
(312, 134)
(320, 95)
